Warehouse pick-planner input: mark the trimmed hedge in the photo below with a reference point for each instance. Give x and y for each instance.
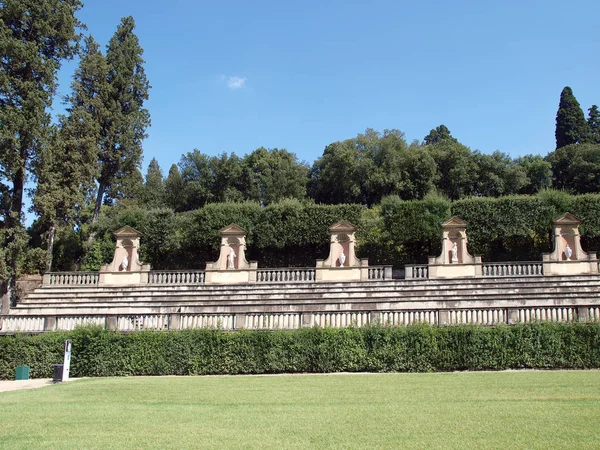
(418, 348)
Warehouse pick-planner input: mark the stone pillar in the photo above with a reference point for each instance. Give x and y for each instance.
(307, 320)
(49, 323)
(374, 317)
(112, 323)
(174, 321)
(583, 313)
(239, 321)
(443, 318)
(512, 316)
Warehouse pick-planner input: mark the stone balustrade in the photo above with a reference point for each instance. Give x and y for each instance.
(214, 321)
(512, 269)
(380, 273)
(274, 321)
(153, 322)
(70, 279)
(176, 277)
(399, 318)
(341, 319)
(420, 271)
(559, 314)
(286, 275)
(477, 316)
(68, 323)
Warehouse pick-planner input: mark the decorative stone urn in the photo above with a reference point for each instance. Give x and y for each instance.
(455, 260)
(125, 267)
(232, 266)
(342, 263)
(567, 257)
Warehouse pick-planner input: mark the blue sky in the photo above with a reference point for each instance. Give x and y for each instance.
(233, 76)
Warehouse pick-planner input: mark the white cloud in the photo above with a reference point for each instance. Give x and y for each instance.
(234, 82)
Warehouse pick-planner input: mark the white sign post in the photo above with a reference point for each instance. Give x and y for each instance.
(67, 361)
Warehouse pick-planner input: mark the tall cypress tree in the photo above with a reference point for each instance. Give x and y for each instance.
(127, 120)
(35, 36)
(593, 125)
(571, 127)
(68, 165)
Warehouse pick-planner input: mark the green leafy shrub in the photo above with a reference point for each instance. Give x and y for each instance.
(417, 348)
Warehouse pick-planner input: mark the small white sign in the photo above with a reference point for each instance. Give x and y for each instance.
(67, 361)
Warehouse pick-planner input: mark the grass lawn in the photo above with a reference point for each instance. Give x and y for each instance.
(525, 410)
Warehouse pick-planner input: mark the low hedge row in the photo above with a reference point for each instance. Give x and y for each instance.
(418, 348)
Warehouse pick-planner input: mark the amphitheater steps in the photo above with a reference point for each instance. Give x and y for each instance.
(382, 295)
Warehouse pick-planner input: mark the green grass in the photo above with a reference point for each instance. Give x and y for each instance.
(444, 410)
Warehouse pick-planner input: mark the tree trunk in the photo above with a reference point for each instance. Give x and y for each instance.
(5, 294)
(50, 248)
(99, 197)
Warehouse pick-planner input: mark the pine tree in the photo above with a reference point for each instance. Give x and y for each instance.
(571, 127)
(35, 36)
(174, 189)
(593, 125)
(439, 134)
(125, 127)
(154, 187)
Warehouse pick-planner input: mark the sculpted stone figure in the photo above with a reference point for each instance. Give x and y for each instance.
(568, 252)
(454, 253)
(342, 258)
(231, 259)
(125, 263)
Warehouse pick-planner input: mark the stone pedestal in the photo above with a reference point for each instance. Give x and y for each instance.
(455, 260)
(567, 257)
(342, 263)
(231, 267)
(125, 268)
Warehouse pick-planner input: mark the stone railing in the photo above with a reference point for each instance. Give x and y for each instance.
(215, 321)
(286, 275)
(512, 269)
(341, 319)
(477, 316)
(399, 318)
(176, 277)
(70, 279)
(273, 321)
(417, 271)
(380, 272)
(68, 323)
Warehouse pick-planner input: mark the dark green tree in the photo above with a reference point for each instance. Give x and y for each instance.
(153, 193)
(339, 175)
(571, 127)
(125, 127)
(198, 180)
(174, 187)
(576, 168)
(35, 37)
(438, 134)
(538, 172)
(270, 175)
(64, 171)
(457, 168)
(593, 122)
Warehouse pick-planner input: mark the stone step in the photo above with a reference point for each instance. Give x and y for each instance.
(572, 296)
(310, 292)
